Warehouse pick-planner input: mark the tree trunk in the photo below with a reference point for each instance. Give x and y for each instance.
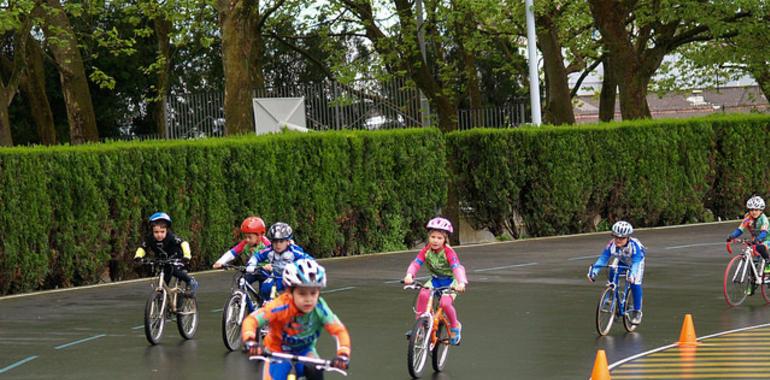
(238, 21)
(626, 64)
(558, 107)
(33, 86)
(72, 73)
(162, 31)
(5, 121)
(608, 93)
(762, 76)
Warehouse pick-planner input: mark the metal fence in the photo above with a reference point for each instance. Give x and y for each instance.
(333, 106)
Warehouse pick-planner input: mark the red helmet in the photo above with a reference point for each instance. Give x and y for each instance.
(253, 225)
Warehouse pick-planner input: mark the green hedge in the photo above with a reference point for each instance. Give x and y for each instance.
(66, 211)
(556, 180)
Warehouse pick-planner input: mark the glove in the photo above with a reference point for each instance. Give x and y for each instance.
(252, 347)
(138, 260)
(592, 273)
(341, 362)
(186, 262)
(729, 238)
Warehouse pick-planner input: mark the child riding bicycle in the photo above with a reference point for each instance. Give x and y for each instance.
(757, 224)
(254, 240)
(295, 319)
(164, 243)
(275, 257)
(444, 266)
(630, 251)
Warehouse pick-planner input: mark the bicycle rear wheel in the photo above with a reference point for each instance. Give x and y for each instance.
(736, 281)
(187, 315)
(629, 305)
(418, 347)
(605, 311)
(154, 317)
(440, 347)
(231, 325)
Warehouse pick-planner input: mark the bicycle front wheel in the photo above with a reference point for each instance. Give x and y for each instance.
(605, 311)
(629, 305)
(231, 324)
(187, 316)
(765, 290)
(736, 282)
(440, 347)
(154, 317)
(419, 343)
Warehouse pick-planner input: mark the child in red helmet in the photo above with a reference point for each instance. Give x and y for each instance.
(254, 240)
(444, 266)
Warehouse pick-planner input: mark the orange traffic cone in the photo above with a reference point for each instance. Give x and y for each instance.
(687, 337)
(601, 371)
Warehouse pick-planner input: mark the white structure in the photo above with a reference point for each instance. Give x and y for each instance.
(273, 114)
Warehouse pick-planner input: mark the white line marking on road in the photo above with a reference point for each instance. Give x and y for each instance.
(217, 310)
(637, 356)
(504, 267)
(581, 258)
(18, 363)
(137, 327)
(79, 341)
(338, 290)
(695, 245)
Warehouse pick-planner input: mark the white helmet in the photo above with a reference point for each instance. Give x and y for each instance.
(755, 203)
(440, 224)
(304, 273)
(622, 228)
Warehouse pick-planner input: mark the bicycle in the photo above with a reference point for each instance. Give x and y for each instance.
(613, 302)
(744, 273)
(317, 363)
(235, 309)
(167, 301)
(429, 334)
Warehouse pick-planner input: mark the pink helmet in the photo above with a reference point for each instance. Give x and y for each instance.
(440, 224)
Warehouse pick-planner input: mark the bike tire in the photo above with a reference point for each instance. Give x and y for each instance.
(154, 317)
(629, 305)
(605, 311)
(735, 291)
(418, 347)
(187, 316)
(440, 347)
(231, 326)
(765, 290)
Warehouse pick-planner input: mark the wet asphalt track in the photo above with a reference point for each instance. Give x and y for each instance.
(528, 314)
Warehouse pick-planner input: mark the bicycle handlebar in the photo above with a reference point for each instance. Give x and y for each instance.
(321, 364)
(416, 285)
(746, 242)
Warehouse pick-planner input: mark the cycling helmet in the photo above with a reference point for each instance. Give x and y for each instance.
(440, 224)
(253, 225)
(160, 217)
(280, 231)
(622, 229)
(755, 203)
(304, 273)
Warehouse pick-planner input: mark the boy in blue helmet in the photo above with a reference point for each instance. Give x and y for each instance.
(630, 251)
(164, 243)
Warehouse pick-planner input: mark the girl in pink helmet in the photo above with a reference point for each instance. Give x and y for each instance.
(444, 266)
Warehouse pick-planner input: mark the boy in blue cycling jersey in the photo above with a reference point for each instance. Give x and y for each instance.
(630, 251)
(281, 252)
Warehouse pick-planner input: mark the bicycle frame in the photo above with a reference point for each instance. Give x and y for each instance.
(748, 252)
(433, 312)
(171, 290)
(613, 280)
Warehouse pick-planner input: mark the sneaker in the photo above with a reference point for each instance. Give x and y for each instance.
(193, 286)
(408, 334)
(636, 317)
(456, 334)
(750, 289)
(767, 269)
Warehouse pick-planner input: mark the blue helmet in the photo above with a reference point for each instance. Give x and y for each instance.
(160, 217)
